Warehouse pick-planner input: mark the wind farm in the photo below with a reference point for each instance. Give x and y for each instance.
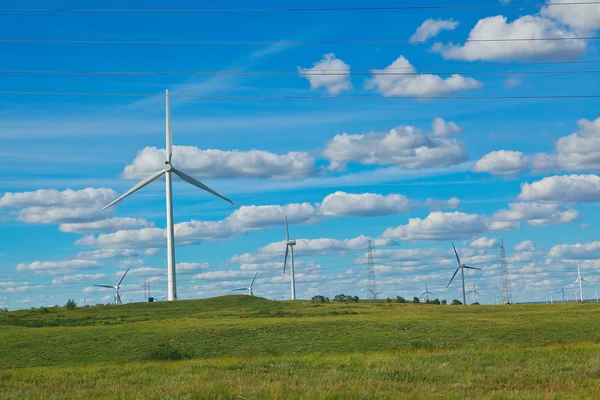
(283, 200)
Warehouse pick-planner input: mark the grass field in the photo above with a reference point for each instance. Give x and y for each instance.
(247, 348)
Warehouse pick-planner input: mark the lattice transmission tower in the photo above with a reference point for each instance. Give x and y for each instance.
(372, 292)
(505, 290)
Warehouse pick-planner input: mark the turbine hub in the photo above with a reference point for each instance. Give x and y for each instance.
(291, 242)
(168, 166)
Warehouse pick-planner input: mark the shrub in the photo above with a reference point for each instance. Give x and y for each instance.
(475, 304)
(400, 299)
(436, 302)
(416, 300)
(71, 305)
(318, 299)
(456, 302)
(165, 352)
(388, 300)
(444, 302)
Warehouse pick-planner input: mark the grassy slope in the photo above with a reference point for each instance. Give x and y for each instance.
(262, 349)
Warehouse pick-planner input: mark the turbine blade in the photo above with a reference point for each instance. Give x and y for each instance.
(583, 280)
(137, 187)
(119, 284)
(105, 286)
(238, 290)
(466, 266)
(200, 185)
(424, 293)
(455, 272)
(252, 284)
(287, 230)
(469, 292)
(456, 253)
(169, 147)
(287, 249)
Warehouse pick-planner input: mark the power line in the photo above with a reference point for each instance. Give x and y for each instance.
(375, 72)
(301, 97)
(294, 43)
(296, 9)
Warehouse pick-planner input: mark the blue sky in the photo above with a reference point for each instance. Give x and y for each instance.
(408, 172)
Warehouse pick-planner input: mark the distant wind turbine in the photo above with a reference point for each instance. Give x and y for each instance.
(116, 287)
(461, 267)
(596, 297)
(562, 290)
(426, 293)
(551, 298)
(289, 248)
(580, 280)
(167, 171)
(475, 293)
(249, 288)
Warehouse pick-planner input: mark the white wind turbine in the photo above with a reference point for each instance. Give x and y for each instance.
(461, 267)
(475, 293)
(167, 171)
(426, 293)
(580, 280)
(116, 287)
(249, 288)
(551, 298)
(562, 290)
(289, 248)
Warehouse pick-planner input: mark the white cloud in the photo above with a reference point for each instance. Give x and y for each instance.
(437, 205)
(189, 267)
(330, 73)
(400, 79)
(366, 204)
(564, 189)
(503, 226)
(526, 27)
(588, 251)
(57, 267)
(526, 245)
(512, 82)
(143, 271)
(51, 197)
(108, 254)
(579, 151)
(106, 225)
(439, 226)
(502, 162)
(443, 128)
(223, 164)
(406, 146)
(430, 28)
(77, 278)
(54, 215)
(484, 243)
(220, 275)
(262, 217)
(537, 214)
(582, 17)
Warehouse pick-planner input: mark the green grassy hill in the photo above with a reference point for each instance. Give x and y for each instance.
(255, 348)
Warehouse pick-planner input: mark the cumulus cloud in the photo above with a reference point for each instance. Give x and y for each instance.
(526, 245)
(582, 17)
(104, 254)
(57, 267)
(106, 225)
(400, 79)
(588, 251)
(406, 146)
(365, 204)
(503, 226)
(443, 128)
(262, 217)
(502, 162)
(190, 267)
(439, 226)
(563, 189)
(224, 164)
(436, 204)
(330, 73)
(537, 214)
(77, 278)
(527, 27)
(51, 197)
(430, 28)
(484, 243)
(579, 151)
(57, 215)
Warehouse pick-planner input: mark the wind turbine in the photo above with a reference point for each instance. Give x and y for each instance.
(289, 248)
(249, 289)
(596, 297)
(562, 290)
(475, 293)
(580, 280)
(426, 293)
(551, 298)
(168, 170)
(116, 287)
(461, 267)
